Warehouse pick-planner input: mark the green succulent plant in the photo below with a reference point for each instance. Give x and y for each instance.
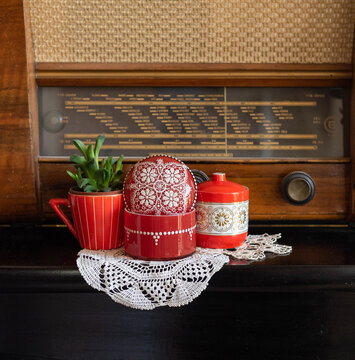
(92, 175)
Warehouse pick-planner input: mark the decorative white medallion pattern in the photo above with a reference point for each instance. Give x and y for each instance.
(157, 188)
(222, 219)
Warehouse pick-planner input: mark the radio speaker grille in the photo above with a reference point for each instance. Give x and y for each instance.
(193, 31)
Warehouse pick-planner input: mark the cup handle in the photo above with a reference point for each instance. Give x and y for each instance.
(56, 203)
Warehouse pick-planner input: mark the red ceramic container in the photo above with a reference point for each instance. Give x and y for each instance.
(160, 237)
(98, 218)
(221, 213)
(159, 185)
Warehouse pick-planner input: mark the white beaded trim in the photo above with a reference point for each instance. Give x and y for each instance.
(157, 235)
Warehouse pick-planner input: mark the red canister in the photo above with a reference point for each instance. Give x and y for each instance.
(160, 221)
(221, 213)
(160, 237)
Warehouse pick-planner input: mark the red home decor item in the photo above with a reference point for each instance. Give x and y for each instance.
(160, 237)
(160, 220)
(222, 213)
(97, 217)
(160, 185)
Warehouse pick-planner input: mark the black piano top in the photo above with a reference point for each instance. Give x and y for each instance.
(43, 258)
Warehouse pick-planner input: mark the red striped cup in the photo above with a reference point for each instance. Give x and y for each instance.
(97, 217)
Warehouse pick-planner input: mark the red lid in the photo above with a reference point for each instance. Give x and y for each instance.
(220, 190)
(159, 185)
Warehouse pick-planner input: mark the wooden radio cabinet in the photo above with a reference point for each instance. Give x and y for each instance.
(261, 90)
(258, 122)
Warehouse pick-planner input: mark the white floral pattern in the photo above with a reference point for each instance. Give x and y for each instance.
(148, 175)
(202, 218)
(222, 219)
(147, 197)
(158, 187)
(172, 175)
(171, 199)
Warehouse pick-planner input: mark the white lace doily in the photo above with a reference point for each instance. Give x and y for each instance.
(146, 285)
(254, 248)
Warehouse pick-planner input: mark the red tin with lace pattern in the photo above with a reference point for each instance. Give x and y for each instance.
(159, 185)
(221, 213)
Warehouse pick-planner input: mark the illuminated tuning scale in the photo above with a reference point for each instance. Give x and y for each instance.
(195, 122)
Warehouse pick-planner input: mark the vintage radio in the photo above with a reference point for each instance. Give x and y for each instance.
(262, 91)
(269, 103)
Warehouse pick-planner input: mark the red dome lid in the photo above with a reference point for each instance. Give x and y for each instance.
(159, 185)
(220, 190)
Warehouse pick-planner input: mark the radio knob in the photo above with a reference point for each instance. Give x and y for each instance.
(200, 176)
(53, 121)
(298, 188)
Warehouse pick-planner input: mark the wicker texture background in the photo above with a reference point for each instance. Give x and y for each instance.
(193, 31)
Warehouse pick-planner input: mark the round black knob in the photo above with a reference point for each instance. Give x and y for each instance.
(298, 188)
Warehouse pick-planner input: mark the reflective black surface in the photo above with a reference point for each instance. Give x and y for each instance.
(37, 258)
(300, 306)
(55, 246)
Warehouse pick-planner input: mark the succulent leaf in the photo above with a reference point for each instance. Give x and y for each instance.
(91, 168)
(117, 176)
(99, 141)
(78, 160)
(73, 176)
(80, 145)
(116, 185)
(119, 163)
(90, 153)
(79, 173)
(118, 168)
(90, 188)
(83, 182)
(91, 175)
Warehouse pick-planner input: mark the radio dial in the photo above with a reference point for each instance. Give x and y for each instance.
(298, 188)
(53, 121)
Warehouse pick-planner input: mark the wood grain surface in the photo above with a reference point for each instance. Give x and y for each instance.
(18, 196)
(330, 202)
(272, 75)
(192, 82)
(52, 66)
(27, 186)
(352, 147)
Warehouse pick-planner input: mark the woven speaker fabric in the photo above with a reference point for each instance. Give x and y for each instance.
(193, 31)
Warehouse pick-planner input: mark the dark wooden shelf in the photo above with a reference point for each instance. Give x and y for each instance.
(300, 306)
(35, 258)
